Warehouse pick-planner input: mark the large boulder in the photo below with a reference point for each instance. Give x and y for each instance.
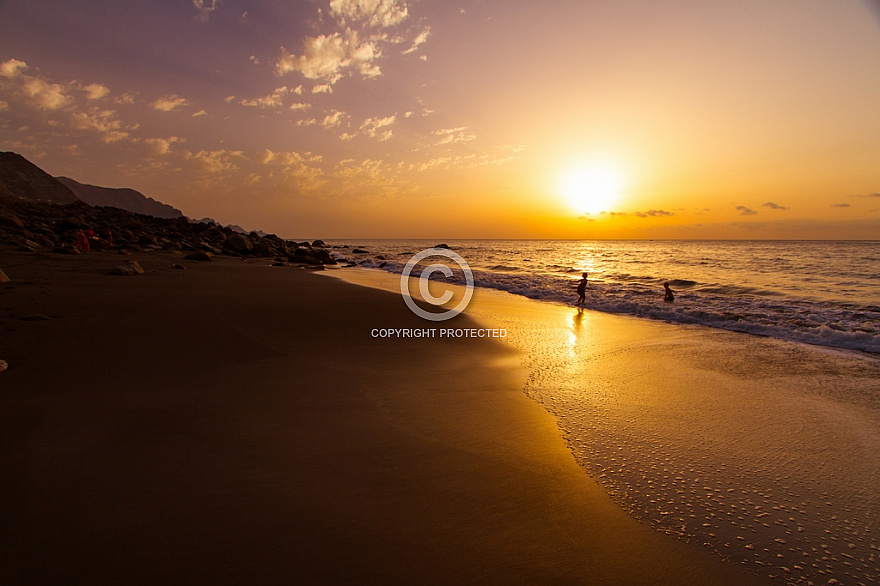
(238, 243)
(3, 277)
(129, 268)
(323, 256)
(200, 255)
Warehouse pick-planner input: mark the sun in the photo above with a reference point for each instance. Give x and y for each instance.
(591, 189)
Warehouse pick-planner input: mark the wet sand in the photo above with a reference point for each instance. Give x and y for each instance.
(236, 422)
(761, 450)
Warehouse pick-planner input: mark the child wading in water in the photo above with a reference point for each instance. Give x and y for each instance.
(670, 296)
(582, 289)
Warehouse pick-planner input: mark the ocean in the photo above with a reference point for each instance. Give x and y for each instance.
(818, 292)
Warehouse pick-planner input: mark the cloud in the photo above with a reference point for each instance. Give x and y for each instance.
(46, 96)
(169, 103)
(356, 44)
(95, 91)
(205, 8)
(774, 206)
(325, 57)
(841, 205)
(214, 162)
(160, 146)
(12, 68)
(101, 121)
(200, 113)
(300, 106)
(331, 120)
(266, 157)
(867, 195)
(4, 106)
(454, 135)
(323, 88)
(371, 127)
(372, 13)
(418, 41)
(273, 100)
(652, 214)
(744, 211)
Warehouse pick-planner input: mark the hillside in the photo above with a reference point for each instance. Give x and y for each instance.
(21, 179)
(125, 199)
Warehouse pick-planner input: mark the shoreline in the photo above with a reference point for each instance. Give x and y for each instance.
(234, 422)
(762, 450)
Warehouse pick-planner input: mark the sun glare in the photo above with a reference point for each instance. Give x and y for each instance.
(591, 189)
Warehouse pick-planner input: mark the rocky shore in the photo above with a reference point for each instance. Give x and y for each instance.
(46, 227)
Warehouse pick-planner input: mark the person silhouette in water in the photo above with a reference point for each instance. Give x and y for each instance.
(582, 289)
(670, 296)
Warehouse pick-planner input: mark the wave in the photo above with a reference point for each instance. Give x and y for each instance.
(741, 308)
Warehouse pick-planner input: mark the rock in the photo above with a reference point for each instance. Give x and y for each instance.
(239, 243)
(3, 277)
(359, 251)
(3, 365)
(67, 225)
(66, 249)
(278, 263)
(129, 268)
(11, 221)
(319, 244)
(441, 246)
(323, 256)
(200, 255)
(318, 267)
(178, 266)
(264, 250)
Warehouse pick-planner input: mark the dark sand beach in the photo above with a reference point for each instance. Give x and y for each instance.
(236, 422)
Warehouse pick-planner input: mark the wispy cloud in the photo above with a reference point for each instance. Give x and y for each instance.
(204, 8)
(744, 211)
(774, 206)
(169, 103)
(373, 127)
(654, 214)
(102, 121)
(273, 100)
(841, 205)
(370, 13)
(420, 39)
(454, 135)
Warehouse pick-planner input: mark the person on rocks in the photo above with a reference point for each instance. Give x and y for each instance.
(82, 241)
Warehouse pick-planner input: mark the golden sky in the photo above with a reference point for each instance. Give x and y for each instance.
(461, 119)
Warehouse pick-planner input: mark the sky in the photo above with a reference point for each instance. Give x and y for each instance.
(461, 118)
